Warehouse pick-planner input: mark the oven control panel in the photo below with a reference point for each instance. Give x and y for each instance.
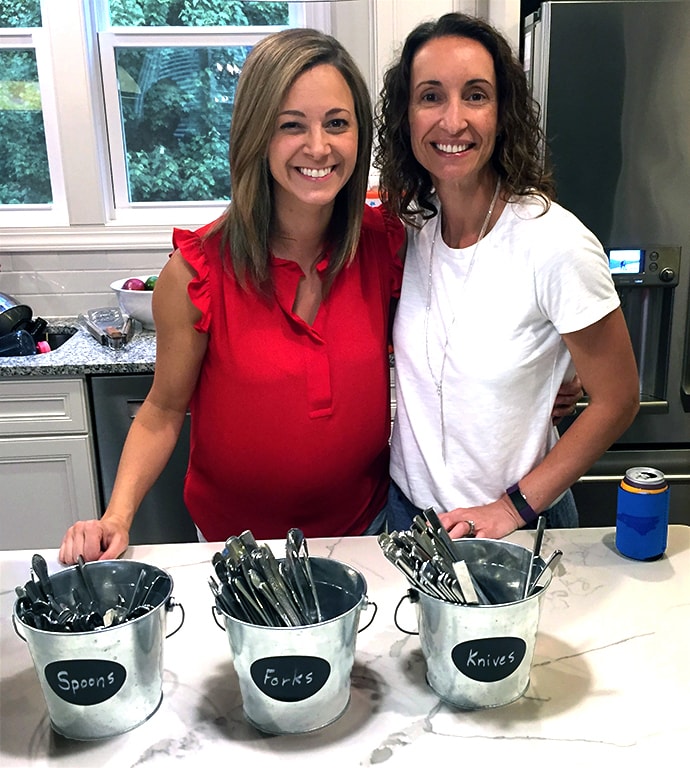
(653, 265)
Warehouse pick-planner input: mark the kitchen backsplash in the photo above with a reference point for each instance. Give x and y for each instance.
(64, 284)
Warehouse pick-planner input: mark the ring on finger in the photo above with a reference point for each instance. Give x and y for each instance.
(471, 533)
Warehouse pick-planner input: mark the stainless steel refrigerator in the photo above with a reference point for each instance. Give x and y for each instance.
(612, 81)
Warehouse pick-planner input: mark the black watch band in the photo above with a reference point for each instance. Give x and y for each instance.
(521, 504)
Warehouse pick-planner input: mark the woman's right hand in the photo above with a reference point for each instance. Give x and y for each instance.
(180, 349)
(102, 539)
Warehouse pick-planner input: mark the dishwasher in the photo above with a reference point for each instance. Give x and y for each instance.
(162, 517)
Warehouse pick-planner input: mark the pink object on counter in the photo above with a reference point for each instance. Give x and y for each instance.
(42, 347)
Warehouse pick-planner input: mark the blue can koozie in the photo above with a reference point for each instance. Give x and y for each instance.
(642, 514)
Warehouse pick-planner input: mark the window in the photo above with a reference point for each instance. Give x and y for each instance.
(117, 112)
(22, 134)
(169, 73)
(29, 180)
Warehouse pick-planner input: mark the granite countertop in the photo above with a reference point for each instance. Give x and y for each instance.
(82, 354)
(609, 680)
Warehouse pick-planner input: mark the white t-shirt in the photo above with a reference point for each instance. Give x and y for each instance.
(533, 278)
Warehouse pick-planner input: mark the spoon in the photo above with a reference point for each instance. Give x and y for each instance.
(40, 568)
(150, 590)
(136, 599)
(86, 578)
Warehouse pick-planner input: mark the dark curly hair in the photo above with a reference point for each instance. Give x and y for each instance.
(519, 156)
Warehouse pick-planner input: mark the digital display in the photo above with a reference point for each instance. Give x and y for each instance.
(626, 261)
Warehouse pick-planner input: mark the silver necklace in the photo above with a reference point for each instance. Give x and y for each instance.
(438, 382)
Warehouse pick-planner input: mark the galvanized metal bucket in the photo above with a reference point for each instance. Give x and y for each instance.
(107, 681)
(297, 679)
(480, 656)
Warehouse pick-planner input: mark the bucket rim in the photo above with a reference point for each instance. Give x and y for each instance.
(363, 599)
(100, 630)
(225, 615)
(467, 542)
(424, 596)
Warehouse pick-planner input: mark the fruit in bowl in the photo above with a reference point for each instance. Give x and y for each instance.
(134, 284)
(134, 297)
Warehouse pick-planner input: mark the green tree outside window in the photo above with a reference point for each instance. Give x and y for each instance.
(176, 103)
(24, 174)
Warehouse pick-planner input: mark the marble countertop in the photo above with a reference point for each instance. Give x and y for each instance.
(609, 682)
(82, 354)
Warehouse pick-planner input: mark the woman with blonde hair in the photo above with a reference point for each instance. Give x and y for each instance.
(272, 322)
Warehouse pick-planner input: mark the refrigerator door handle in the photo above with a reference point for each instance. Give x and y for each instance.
(685, 370)
(133, 407)
(682, 478)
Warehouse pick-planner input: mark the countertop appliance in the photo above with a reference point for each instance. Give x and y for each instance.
(611, 79)
(162, 517)
(15, 316)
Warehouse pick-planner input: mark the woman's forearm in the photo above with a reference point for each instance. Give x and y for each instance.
(604, 359)
(148, 447)
(582, 444)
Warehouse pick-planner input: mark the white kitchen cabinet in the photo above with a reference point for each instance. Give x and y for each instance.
(47, 477)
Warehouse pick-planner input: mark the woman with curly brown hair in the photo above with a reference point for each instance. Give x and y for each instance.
(505, 294)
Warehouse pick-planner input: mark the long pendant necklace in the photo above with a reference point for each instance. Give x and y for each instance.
(438, 382)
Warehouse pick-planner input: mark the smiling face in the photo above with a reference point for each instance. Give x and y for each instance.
(313, 151)
(453, 109)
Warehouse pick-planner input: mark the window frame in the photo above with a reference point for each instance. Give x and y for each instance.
(159, 37)
(87, 212)
(35, 39)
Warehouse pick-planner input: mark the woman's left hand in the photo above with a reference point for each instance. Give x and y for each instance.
(490, 521)
(568, 396)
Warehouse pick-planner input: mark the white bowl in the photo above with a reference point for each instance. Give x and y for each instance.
(136, 304)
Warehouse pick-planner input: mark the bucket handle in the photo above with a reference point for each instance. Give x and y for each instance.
(171, 605)
(16, 631)
(367, 603)
(413, 596)
(215, 611)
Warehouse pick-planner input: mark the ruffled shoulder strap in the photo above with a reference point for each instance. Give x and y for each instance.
(394, 229)
(192, 246)
(381, 219)
(384, 222)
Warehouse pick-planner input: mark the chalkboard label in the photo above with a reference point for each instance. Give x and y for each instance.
(85, 681)
(290, 678)
(489, 659)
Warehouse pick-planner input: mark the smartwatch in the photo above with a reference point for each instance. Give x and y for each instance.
(521, 504)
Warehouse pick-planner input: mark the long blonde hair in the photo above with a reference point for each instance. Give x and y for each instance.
(269, 72)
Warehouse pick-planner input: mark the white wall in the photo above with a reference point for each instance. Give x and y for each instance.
(393, 19)
(61, 276)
